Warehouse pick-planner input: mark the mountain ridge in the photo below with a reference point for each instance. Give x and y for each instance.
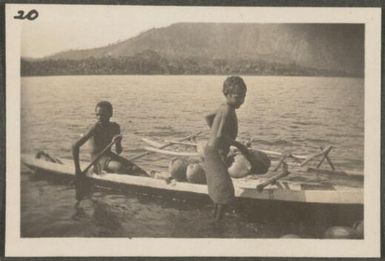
(331, 47)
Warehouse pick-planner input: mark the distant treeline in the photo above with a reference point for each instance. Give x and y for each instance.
(150, 62)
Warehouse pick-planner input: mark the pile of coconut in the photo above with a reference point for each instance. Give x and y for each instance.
(184, 170)
(339, 232)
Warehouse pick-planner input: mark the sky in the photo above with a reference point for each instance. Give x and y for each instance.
(64, 27)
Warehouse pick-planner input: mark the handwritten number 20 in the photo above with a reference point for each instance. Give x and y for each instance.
(31, 15)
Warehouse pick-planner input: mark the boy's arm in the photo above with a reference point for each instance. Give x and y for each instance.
(245, 152)
(118, 142)
(223, 116)
(219, 122)
(76, 147)
(210, 119)
(242, 148)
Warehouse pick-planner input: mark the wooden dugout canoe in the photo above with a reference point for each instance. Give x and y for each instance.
(306, 188)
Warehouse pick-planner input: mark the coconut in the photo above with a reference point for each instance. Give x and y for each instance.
(196, 174)
(290, 236)
(240, 167)
(261, 161)
(338, 232)
(177, 168)
(358, 230)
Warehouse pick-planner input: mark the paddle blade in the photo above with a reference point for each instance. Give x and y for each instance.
(83, 187)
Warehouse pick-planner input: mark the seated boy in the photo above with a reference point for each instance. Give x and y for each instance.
(101, 134)
(224, 131)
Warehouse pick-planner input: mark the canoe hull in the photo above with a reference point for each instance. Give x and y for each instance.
(244, 188)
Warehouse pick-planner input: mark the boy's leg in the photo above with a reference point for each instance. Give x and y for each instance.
(120, 165)
(114, 166)
(219, 212)
(215, 210)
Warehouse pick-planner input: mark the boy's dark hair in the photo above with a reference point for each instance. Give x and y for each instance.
(233, 84)
(106, 105)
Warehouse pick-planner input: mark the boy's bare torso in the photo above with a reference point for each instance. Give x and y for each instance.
(224, 128)
(102, 136)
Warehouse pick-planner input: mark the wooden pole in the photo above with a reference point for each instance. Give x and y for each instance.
(326, 156)
(273, 179)
(330, 162)
(172, 153)
(323, 152)
(165, 146)
(181, 143)
(322, 160)
(281, 161)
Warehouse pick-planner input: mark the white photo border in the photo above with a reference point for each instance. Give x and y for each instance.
(368, 247)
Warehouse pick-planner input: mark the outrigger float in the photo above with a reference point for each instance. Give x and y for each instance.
(298, 183)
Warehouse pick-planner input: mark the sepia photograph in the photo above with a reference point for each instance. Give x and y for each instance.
(192, 131)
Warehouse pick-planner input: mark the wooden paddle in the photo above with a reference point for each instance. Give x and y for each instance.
(135, 157)
(81, 186)
(99, 156)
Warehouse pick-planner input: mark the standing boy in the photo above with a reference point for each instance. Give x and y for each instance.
(224, 131)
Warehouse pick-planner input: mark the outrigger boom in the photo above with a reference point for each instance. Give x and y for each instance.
(158, 145)
(301, 160)
(172, 153)
(303, 186)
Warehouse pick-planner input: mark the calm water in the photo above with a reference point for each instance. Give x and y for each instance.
(297, 114)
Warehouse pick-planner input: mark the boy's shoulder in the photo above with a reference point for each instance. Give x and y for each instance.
(224, 109)
(97, 125)
(115, 127)
(114, 124)
(93, 126)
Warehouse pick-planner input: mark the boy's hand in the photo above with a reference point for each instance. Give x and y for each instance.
(242, 148)
(118, 149)
(254, 165)
(245, 152)
(117, 138)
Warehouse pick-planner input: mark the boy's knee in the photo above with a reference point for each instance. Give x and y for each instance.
(115, 166)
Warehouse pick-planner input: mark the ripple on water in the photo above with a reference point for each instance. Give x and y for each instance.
(159, 106)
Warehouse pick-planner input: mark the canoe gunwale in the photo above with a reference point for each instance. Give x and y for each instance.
(343, 197)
